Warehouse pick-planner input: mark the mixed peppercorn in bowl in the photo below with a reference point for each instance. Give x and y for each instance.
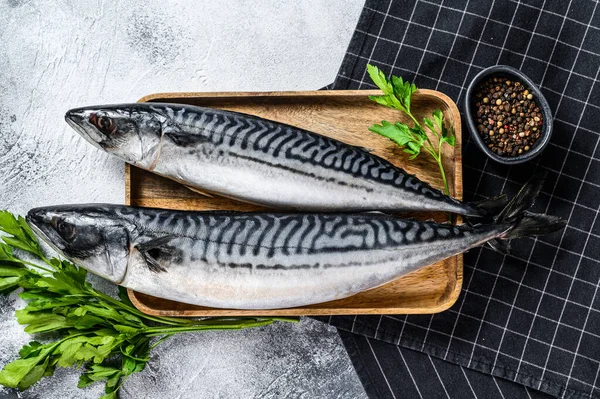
(507, 115)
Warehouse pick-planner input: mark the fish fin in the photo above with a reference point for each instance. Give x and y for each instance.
(524, 198)
(492, 205)
(486, 208)
(199, 192)
(183, 139)
(154, 243)
(150, 251)
(534, 224)
(499, 246)
(519, 222)
(152, 263)
(492, 208)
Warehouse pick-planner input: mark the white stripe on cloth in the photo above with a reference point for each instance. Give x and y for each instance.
(409, 373)
(381, 370)
(438, 376)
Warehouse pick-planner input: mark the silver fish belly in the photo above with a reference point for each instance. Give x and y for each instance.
(258, 161)
(268, 261)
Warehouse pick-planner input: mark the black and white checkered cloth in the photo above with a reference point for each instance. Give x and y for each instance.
(392, 371)
(532, 317)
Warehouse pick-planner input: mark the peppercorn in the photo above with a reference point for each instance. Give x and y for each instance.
(507, 117)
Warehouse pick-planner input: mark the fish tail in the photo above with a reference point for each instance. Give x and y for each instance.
(487, 207)
(495, 206)
(519, 221)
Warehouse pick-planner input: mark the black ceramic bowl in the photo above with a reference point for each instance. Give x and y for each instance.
(515, 75)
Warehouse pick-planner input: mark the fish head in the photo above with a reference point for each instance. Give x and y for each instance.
(88, 235)
(130, 132)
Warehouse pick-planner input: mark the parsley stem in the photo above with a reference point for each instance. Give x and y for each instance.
(446, 188)
(436, 155)
(156, 331)
(414, 119)
(24, 262)
(441, 165)
(44, 259)
(123, 379)
(285, 319)
(164, 320)
(417, 124)
(438, 159)
(160, 341)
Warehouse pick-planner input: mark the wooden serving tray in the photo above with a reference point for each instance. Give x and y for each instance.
(346, 116)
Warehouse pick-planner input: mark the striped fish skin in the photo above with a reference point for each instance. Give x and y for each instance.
(248, 260)
(256, 160)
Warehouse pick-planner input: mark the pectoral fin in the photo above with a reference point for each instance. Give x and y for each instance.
(152, 250)
(184, 139)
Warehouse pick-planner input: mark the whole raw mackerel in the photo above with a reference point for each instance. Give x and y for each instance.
(263, 260)
(256, 160)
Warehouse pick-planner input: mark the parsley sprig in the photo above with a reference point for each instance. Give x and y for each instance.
(397, 94)
(109, 337)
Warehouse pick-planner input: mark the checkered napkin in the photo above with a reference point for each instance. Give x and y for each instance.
(532, 317)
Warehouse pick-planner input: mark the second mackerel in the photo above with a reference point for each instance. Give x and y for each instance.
(266, 260)
(256, 160)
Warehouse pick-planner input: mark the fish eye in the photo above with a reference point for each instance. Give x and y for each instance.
(104, 123)
(65, 230)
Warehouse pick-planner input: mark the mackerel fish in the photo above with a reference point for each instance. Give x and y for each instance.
(256, 160)
(264, 260)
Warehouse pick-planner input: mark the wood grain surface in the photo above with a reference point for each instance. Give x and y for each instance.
(346, 116)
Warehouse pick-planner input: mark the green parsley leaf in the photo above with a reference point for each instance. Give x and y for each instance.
(41, 321)
(380, 80)
(397, 94)
(386, 100)
(397, 132)
(84, 381)
(448, 136)
(12, 269)
(14, 372)
(9, 283)
(403, 92)
(438, 117)
(6, 253)
(34, 375)
(390, 98)
(22, 236)
(33, 349)
(429, 123)
(451, 140)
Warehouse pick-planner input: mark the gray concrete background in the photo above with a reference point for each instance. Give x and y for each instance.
(55, 55)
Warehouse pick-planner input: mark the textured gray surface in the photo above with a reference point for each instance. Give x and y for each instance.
(57, 55)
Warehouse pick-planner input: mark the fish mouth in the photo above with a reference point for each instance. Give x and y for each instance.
(41, 234)
(77, 119)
